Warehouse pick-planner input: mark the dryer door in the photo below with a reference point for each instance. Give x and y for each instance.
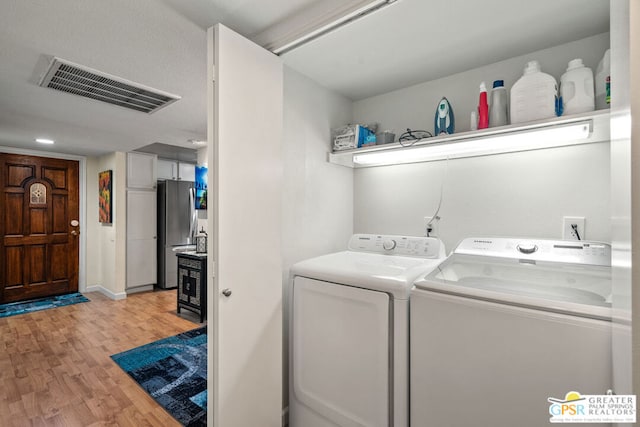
(340, 344)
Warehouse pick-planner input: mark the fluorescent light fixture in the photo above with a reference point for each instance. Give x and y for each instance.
(45, 141)
(326, 27)
(472, 146)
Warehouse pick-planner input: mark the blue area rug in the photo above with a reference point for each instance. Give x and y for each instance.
(21, 307)
(174, 372)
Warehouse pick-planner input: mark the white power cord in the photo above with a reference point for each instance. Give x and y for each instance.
(435, 217)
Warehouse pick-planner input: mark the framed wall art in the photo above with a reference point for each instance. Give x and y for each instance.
(104, 197)
(201, 187)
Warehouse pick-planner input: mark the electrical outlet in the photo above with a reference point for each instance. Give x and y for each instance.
(435, 227)
(568, 231)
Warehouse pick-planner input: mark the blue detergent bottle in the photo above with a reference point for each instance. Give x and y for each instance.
(444, 120)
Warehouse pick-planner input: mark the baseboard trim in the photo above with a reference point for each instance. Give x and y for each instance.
(106, 292)
(144, 288)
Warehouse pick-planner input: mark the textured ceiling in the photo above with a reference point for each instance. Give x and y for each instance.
(414, 41)
(162, 44)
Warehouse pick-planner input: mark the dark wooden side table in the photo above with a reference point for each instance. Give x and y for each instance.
(192, 283)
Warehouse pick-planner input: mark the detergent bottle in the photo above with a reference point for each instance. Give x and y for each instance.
(534, 95)
(473, 121)
(576, 88)
(483, 108)
(498, 111)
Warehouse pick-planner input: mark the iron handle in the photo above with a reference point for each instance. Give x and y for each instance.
(75, 233)
(226, 292)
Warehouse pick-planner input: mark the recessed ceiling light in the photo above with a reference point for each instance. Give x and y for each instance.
(45, 141)
(198, 142)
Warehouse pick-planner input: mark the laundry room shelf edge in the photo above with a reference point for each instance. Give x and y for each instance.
(585, 128)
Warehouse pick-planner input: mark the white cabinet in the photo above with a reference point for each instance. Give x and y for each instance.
(141, 238)
(173, 170)
(141, 170)
(186, 171)
(141, 221)
(167, 169)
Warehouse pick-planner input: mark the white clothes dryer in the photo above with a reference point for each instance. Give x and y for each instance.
(348, 331)
(505, 324)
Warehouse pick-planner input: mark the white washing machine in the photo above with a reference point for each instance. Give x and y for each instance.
(504, 324)
(348, 332)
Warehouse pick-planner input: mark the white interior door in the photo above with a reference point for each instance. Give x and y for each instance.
(626, 372)
(245, 174)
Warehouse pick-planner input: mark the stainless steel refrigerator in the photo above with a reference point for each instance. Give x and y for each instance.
(177, 226)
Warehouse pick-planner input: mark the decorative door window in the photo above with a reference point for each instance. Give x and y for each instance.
(38, 194)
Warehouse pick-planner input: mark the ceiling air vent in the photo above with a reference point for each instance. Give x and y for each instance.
(79, 80)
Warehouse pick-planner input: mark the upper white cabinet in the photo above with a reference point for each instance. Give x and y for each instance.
(177, 171)
(186, 171)
(167, 169)
(141, 170)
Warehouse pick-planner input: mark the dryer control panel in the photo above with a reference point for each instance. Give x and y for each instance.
(564, 251)
(423, 247)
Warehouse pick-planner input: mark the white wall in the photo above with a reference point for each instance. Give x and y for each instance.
(521, 194)
(318, 196)
(91, 228)
(317, 203)
(106, 248)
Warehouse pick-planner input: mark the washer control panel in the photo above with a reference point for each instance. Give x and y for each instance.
(424, 247)
(567, 251)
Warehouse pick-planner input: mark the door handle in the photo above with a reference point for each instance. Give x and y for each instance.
(226, 292)
(75, 223)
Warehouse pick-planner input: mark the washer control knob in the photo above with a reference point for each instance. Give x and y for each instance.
(527, 248)
(389, 244)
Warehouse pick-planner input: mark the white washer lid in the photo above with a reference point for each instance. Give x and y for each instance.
(583, 290)
(386, 273)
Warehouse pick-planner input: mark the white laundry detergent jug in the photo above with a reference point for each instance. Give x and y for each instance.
(534, 95)
(576, 88)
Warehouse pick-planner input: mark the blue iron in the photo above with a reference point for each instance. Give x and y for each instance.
(444, 120)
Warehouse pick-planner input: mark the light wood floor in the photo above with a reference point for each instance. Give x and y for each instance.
(55, 368)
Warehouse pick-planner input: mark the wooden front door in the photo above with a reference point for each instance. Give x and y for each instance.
(39, 227)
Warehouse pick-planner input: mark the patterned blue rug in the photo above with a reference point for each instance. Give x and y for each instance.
(21, 307)
(174, 372)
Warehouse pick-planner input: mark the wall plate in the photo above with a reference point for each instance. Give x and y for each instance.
(435, 227)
